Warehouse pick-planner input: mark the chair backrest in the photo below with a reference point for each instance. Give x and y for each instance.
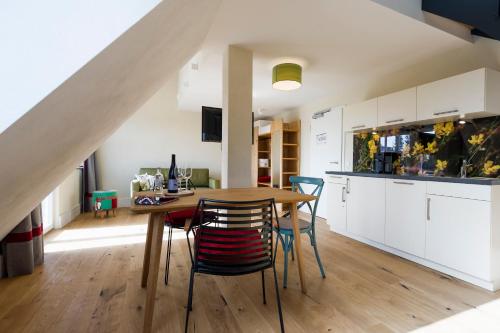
(317, 183)
(233, 237)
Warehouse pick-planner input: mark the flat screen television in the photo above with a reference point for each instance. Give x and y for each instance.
(211, 124)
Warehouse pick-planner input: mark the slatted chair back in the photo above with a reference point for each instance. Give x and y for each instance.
(317, 183)
(233, 237)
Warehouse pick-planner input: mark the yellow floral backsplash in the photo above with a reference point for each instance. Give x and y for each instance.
(438, 149)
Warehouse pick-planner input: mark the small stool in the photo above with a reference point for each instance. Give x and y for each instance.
(105, 201)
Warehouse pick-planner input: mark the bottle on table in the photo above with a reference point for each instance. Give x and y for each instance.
(172, 186)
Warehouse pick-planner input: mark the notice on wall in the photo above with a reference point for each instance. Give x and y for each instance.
(321, 139)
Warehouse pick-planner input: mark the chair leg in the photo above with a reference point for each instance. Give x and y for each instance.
(169, 249)
(313, 243)
(291, 248)
(285, 258)
(278, 301)
(263, 288)
(189, 307)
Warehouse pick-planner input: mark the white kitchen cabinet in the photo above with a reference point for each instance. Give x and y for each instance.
(336, 211)
(360, 116)
(472, 94)
(366, 207)
(458, 234)
(405, 215)
(396, 108)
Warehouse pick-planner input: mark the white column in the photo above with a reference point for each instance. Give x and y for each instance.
(237, 127)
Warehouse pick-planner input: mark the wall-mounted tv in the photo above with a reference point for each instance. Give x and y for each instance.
(211, 124)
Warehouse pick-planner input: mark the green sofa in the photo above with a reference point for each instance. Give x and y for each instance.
(200, 178)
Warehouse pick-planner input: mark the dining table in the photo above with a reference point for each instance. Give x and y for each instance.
(156, 223)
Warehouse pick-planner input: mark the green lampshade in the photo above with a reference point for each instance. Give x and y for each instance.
(287, 76)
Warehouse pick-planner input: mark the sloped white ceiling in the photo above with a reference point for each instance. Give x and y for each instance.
(42, 147)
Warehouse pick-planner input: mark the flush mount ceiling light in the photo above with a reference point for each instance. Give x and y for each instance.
(287, 76)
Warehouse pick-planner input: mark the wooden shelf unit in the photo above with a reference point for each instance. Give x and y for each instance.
(263, 148)
(290, 153)
(282, 147)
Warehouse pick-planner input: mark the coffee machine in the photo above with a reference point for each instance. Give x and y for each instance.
(383, 162)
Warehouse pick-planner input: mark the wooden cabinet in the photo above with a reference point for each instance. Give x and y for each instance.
(396, 108)
(405, 216)
(360, 116)
(366, 207)
(458, 234)
(336, 207)
(473, 93)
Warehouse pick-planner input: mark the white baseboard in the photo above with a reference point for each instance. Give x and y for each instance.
(489, 285)
(67, 217)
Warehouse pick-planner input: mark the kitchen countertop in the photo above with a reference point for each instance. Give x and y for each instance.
(472, 180)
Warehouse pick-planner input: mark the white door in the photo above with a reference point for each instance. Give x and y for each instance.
(336, 203)
(405, 215)
(458, 234)
(326, 150)
(366, 207)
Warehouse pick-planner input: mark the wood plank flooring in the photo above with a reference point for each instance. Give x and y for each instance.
(90, 282)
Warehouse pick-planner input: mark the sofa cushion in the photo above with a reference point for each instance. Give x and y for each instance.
(200, 177)
(152, 171)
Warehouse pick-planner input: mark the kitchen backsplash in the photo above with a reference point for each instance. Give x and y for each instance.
(437, 149)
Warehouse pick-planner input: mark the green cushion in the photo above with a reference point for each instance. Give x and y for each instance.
(152, 171)
(200, 177)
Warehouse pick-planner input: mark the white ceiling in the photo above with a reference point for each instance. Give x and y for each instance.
(341, 42)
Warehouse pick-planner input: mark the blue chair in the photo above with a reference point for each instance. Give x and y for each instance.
(305, 227)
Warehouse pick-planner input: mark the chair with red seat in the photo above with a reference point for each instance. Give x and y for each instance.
(175, 220)
(233, 238)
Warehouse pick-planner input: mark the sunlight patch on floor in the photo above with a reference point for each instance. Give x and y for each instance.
(90, 238)
(484, 318)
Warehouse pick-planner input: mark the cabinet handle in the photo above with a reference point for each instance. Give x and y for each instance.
(343, 193)
(404, 183)
(394, 121)
(334, 162)
(445, 112)
(359, 126)
(348, 184)
(337, 177)
(428, 209)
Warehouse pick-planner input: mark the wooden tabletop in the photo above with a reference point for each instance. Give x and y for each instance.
(233, 194)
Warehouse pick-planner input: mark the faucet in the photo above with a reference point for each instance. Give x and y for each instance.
(463, 169)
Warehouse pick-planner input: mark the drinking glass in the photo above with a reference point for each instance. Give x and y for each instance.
(187, 175)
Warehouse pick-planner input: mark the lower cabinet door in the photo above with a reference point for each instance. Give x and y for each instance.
(458, 234)
(366, 207)
(405, 216)
(337, 207)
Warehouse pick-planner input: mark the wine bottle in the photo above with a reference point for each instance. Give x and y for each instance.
(172, 185)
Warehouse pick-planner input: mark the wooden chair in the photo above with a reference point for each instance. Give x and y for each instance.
(233, 238)
(305, 227)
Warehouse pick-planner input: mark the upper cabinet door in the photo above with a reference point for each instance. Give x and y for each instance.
(361, 115)
(457, 95)
(399, 107)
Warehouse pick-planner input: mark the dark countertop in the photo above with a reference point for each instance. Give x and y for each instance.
(476, 181)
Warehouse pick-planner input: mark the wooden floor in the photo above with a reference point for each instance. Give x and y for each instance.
(90, 282)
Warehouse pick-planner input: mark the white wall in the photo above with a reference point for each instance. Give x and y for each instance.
(482, 53)
(157, 130)
(65, 35)
(62, 205)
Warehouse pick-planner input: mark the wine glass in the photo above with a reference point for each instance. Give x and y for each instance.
(188, 172)
(180, 176)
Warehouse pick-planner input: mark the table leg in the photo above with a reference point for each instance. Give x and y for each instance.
(154, 267)
(298, 247)
(147, 252)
